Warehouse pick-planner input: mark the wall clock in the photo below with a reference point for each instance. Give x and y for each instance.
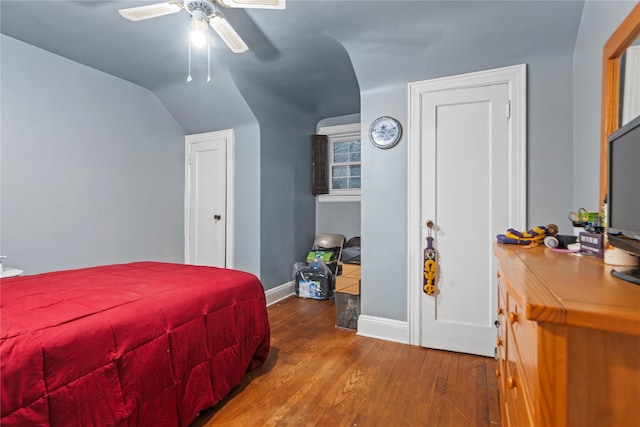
(385, 132)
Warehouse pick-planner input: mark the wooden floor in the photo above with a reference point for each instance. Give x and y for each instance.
(318, 375)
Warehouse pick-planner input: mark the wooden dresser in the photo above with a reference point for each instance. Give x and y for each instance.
(568, 341)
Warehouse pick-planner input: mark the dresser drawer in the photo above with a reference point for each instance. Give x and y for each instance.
(501, 340)
(523, 342)
(518, 401)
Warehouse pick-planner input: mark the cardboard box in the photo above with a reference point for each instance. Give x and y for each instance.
(353, 289)
(345, 282)
(347, 310)
(591, 243)
(350, 270)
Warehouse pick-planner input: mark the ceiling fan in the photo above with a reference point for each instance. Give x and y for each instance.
(204, 14)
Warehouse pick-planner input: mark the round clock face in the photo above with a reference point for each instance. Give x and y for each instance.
(385, 132)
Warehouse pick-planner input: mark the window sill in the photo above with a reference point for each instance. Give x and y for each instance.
(338, 198)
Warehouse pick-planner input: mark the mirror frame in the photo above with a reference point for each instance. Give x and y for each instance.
(613, 49)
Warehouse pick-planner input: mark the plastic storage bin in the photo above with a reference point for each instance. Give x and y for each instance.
(347, 310)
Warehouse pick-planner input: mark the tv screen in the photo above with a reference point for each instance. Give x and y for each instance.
(623, 219)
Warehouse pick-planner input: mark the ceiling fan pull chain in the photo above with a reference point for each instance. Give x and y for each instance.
(189, 77)
(209, 49)
(208, 56)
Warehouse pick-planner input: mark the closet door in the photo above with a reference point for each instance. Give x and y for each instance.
(207, 216)
(465, 193)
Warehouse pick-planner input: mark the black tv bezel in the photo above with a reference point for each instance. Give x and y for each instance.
(612, 230)
(622, 238)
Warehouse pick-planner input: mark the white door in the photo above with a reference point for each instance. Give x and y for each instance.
(465, 193)
(207, 199)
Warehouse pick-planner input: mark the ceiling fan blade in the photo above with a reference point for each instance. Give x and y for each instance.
(255, 4)
(227, 33)
(150, 11)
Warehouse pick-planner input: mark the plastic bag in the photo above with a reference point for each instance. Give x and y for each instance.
(313, 280)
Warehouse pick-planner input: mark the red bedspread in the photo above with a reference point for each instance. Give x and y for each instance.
(142, 344)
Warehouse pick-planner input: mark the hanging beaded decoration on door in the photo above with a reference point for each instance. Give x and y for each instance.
(429, 286)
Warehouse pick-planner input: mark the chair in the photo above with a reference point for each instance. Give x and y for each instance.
(330, 242)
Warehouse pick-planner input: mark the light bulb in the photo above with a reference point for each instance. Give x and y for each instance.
(199, 38)
(199, 20)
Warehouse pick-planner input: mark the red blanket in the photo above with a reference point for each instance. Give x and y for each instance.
(142, 344)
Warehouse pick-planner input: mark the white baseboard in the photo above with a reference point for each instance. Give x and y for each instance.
(384, 329)
(279, 293)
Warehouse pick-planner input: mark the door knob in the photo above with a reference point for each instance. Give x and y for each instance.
(217, 217)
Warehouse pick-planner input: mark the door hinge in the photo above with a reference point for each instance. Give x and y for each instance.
(508, 109)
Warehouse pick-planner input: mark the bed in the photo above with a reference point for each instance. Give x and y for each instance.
(140, 344)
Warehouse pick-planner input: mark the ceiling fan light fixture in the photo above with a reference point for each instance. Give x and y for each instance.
(199, 25)
(199, 38)
(203, 13)
(199, 21)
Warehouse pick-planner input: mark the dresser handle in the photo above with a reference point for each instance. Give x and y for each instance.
(498, 273)
(500, 311)
(513, 317)
(499, 342)
(511, 382)
(497, 373)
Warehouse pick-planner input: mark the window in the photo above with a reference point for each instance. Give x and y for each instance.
(344, 163)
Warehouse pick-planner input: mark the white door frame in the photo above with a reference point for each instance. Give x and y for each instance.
(515, 78)
(229, 220)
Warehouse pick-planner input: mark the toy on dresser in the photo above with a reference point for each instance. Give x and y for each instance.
(532, 236)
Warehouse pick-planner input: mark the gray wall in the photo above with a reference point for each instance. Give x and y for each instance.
(550, 142)
(384, 211)
(286, 205)
(103, 209)
(338, 217)
(247, 200)
(384, 92)
(92, 166)
(225, 108)
(132, 152)
(599, 21)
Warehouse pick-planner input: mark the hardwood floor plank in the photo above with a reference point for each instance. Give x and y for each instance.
(377, 391)
(340, 400)
(481, 391)
(493, 394)
(407, 384)
(426, 374)
(319, 375)
(467, 374)
(439, 404)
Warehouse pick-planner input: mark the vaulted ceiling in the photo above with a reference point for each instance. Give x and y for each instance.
(315, 55)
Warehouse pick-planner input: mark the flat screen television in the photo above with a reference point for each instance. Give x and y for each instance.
(623, 218)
